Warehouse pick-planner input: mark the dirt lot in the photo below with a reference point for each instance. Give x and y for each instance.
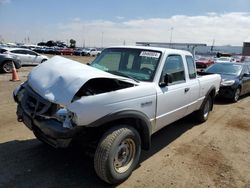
(184, 154)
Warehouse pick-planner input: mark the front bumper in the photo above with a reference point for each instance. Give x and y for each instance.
(226, 92)
(50, 131)
(32, 111)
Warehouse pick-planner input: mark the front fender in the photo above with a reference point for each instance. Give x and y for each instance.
(141, 123)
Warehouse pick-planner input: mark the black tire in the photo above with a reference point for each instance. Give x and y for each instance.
(236, 95)
(117, 154)
(6, 67)
(203, 113)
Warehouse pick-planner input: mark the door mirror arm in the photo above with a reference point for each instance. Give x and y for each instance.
(166, 80)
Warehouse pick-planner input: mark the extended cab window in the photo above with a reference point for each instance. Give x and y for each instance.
(175, 68)
(191, 67)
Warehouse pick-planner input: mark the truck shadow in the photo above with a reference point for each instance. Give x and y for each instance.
(164, 137)
(30, 163)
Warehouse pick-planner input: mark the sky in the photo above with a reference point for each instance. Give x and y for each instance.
(113, 22)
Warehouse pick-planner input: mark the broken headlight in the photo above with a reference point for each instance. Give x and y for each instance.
(66, 117)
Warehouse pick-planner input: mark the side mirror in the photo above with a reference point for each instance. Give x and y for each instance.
(167, 79)
(246, 75)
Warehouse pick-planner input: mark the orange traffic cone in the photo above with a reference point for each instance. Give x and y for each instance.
(15, 76)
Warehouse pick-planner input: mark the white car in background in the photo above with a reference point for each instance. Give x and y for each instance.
(26, 56)
(224, 60)
(91, 52)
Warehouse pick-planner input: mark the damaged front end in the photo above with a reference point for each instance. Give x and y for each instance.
(50, 122)
(57, 102)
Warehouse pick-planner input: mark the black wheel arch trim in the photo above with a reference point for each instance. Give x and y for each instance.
(143, 124)
(212, 93)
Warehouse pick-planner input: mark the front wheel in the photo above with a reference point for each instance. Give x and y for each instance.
(236, 95)
(203, 113)
(117, 154)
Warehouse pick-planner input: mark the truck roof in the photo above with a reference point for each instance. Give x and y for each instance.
(161, 49)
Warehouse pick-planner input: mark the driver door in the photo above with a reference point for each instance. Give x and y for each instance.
(172, 99)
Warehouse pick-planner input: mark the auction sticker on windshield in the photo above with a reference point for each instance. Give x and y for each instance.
(150, 54)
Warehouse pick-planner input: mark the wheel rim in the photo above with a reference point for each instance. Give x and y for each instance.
(237, 94)
(206, 109)
(124, 156)
(7, 67)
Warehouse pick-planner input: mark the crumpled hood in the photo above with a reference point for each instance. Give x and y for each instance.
(58, 79)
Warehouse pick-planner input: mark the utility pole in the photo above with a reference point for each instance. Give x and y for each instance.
(171, 35)
(102, 39)
(212, 47)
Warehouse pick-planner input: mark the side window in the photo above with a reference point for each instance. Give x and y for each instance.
(191, 67)
(175, 68)
(2, 50)
(30, 53)
(17, 51)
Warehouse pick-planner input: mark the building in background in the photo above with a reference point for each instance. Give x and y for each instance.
(246, 48)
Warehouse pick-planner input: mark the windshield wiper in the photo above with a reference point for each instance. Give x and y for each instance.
(123, 74)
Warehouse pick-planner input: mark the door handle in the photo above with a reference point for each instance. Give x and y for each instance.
(186, 90)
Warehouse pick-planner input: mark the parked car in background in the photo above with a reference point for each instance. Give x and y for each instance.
(91, 52)
(47, 50)
(27, 57)
(66, 51)
(79, 52)
(224, 60)
(235, 79)
(239, 58)
(203, 62)
(247, 59)
(6, 61)
(2, 50)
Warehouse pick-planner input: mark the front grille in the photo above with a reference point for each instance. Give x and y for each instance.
(34, 105)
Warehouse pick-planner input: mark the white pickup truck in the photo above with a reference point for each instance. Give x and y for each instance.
(114, 104)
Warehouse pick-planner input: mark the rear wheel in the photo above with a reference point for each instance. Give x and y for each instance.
(203, 113)
(6, 67)
(117, 154)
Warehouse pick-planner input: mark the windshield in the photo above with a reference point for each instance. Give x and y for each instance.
(137, 64)
(225, 68)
